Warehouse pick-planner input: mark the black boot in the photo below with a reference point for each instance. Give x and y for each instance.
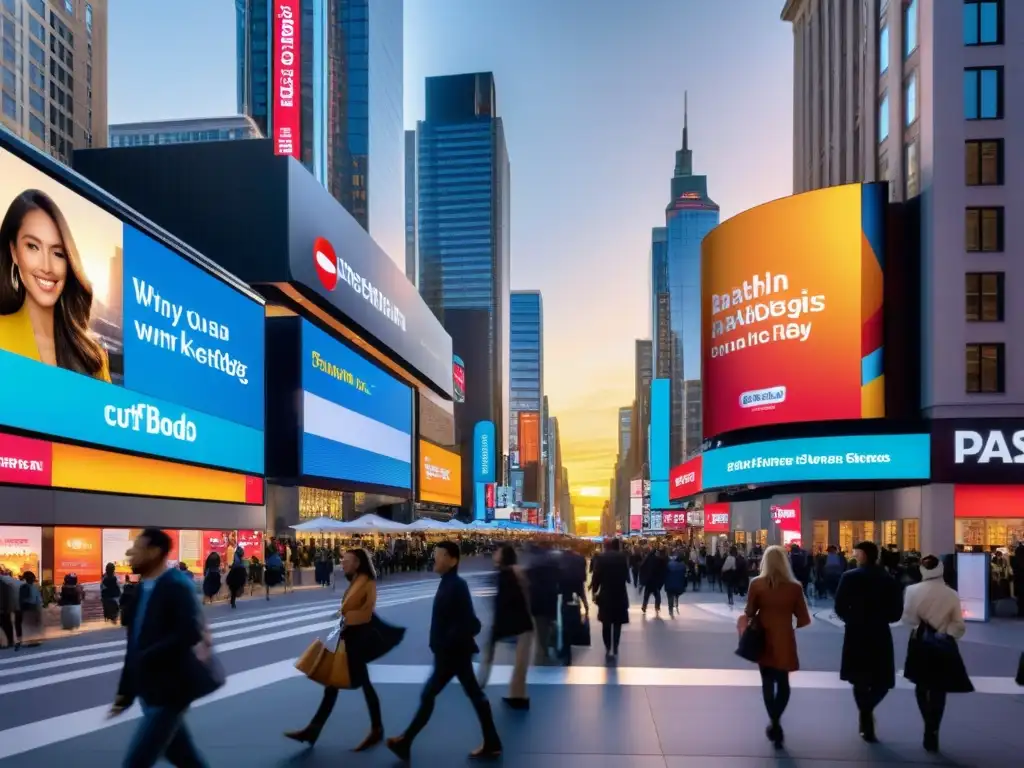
(931, 741)
(867, 727)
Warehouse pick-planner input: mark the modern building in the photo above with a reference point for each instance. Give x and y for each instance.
(526, 360)
(463, 177)
(54, 68)
(183, 131)
(919, 94)
(675, 298)
(347, 109)
(412, 262)
(625, 430)
(643, 373)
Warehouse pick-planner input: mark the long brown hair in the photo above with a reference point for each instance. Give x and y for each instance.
(75, 346)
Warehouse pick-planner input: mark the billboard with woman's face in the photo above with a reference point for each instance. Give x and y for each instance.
(109, 337)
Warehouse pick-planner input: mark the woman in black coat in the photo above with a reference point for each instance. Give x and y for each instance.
(868, 600)
(608, 584)
(211, 576)
(512, 622)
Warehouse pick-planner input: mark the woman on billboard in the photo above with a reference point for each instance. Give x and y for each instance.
(45, 295)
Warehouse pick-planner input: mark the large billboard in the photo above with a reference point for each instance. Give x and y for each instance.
(529, 437)
(458, 379)
(483, 452)
(791, 311)
(823, 459)
(356, 419)
(685, 480)
(287, 91)
(88, 302)
(440, 477)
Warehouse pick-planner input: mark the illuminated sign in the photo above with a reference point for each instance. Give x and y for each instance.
(287, 91)
(458, 379)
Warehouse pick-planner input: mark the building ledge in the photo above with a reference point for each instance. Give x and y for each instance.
(792, 9)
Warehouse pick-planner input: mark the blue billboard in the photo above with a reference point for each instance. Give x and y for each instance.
(661, 421)
(854, 457)
(483, 452)
(89, 302)
(356, 419)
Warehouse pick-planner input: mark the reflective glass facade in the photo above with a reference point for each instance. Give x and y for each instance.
(412, 267)
(183, 131)
(526, 374)
(352, 130)
(675, 295)
(463, 219)
(625, 431)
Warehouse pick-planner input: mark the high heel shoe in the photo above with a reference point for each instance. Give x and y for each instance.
(373, 738)
(307, 735)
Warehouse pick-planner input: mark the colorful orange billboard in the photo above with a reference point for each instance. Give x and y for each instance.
(440, 475)
(78, 551)
(529, 437)
(791, 311)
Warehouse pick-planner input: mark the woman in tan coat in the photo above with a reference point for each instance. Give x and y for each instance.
(774, 599)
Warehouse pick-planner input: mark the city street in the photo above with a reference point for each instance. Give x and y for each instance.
(679, 696)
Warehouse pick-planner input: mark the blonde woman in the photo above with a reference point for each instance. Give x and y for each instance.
(774, 599)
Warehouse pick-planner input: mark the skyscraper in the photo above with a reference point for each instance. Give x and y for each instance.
(463, 229)
(341, 93)
(54, 73)
(675, 287)
(412, 265)
(643, 372)
(625, 430)
(526, 395)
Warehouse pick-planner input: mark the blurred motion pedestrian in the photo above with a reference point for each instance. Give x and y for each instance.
(71, 596)
(513, 624)
(609, 587)
(211, 576)
(675, 580)
(110, 594)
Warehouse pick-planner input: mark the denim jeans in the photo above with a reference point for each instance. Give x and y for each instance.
(162, 733)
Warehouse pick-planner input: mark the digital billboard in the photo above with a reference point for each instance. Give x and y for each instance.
(287, 91)
(789, 519)
(21, 548)
(88, 302)
(458, 379)
(27, 461)
(440, 477)
(791, 308)
(685, 480)
(356, 419)
(716, 517)
(529, 437)
(483, 452)
(852, 457)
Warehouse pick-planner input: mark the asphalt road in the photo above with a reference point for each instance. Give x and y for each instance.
(678, 696)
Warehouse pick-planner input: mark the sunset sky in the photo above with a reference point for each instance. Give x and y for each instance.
(591, 93)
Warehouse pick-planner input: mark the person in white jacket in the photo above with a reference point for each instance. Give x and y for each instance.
(936, 605)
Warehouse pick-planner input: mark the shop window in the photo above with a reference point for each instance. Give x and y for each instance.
(890, 534)
(911, 535)
(761, 537)
(853, 532)
(819, 536)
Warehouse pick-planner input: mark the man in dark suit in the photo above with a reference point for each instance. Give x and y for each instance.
(453, 627)
(165, 661)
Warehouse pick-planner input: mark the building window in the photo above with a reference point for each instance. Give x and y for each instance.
(883, 119)
(883, 49)
(984, 162)
(912, 169)
(983, 22)
(69, 6)
(984, 295)
(910, 99)
(985, 230)
(985, 368)
(88, 18)
(909, 28)
(39, 6)
(37, 29)
(10, 106)
(983, 93)
(37, 100)
(36, 126)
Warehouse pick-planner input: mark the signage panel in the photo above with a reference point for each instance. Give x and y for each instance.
(21, 548)
(674, 521)
(187, 348)
(529, 437)
(287, 90)
(458, 379)
(788, 518)
(636, 488)
(854, 457)
(685, 480)
(716, 517)
(985, 451)
(636, 514)
(440, 478)
(483, 452)
(356, 419)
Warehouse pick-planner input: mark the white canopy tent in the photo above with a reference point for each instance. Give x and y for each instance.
(319, 525)
(371, 523)
(426, 524)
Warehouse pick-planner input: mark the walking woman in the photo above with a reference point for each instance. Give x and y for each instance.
(366, 639)
(774, 599)
(238, 575)
(110, 595)
(608, 585)
(729, 573)
(512, 622)
(934, 663)
(211, 577)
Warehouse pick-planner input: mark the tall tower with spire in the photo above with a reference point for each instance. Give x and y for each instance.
(675, 300)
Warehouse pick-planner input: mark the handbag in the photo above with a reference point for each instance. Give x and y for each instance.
(1020, 670)
(207, 673)
(323, 666)
(752, 641)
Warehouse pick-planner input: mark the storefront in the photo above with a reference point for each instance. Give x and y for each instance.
(346, 330)
(151, 411)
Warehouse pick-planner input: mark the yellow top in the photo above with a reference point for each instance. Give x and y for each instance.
(16, 336)
(359, 601)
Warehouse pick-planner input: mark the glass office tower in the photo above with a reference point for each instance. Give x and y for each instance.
(412, 267)
(351, 113)
(675, 288)
(526, 380)
(463, 227)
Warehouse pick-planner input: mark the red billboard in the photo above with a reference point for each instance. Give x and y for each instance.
(685, 479)
(24, 461)
(673, 521)
(287, 78)
(788, 517)
(489, 495)
(716, 518)
(529, 437)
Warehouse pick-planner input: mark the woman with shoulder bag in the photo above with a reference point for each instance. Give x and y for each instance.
(512, 622)
(934, 663)
(775, 597)
(366, 638)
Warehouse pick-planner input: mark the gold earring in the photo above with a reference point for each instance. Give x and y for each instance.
(14, 277)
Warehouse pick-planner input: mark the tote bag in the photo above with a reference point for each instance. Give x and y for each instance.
(752, 641)
(326, 667)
